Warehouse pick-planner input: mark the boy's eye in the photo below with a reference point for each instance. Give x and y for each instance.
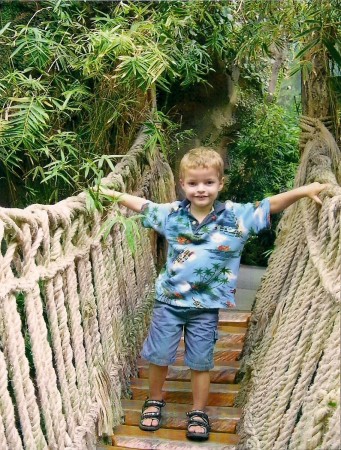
(210, 182)
(191, 183)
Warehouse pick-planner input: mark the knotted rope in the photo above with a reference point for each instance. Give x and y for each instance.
(291, 389)
(73, 312)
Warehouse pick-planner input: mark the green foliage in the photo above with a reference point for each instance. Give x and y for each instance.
(264, 158)
(270, 24)
(80, 75)
(263, 162)
(129, 225)
(76, 85)
(160, 131)
(94, 201)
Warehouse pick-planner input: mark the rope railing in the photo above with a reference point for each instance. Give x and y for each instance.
(73, 312)
(291, 387)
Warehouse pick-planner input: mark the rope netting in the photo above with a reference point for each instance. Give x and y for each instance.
(291, 389)
(73, 312)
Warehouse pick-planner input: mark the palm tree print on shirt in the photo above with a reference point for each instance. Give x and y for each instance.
(209, 279)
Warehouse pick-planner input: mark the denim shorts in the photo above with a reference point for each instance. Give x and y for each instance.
(200, 335)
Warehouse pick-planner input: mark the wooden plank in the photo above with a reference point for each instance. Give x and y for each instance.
(219, 374)
(233, 329)
(124, 433)
(180, 392)
(146, 443)
(163, 444)
(177, 394)
(222, 419)
(227, 328)
(222, 355)
(111, 447)
(237, 318)
(184, 386)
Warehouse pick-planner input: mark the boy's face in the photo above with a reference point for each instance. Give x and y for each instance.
(201, 186)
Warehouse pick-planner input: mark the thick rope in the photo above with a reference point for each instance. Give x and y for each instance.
(74, 309)
(291, 389)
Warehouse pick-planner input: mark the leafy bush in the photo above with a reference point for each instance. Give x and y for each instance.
(83, 77)
(262, 162)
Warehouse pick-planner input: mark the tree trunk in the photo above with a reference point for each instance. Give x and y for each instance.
(318, 100)
(278, 55)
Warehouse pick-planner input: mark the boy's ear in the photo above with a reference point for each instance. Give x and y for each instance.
(221, 185)
(181, 182)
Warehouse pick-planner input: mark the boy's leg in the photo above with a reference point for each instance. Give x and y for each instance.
(200, 389)
(200, 337)
(159, 349)
(157, 376)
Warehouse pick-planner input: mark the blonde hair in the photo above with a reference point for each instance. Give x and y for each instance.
(201, 157)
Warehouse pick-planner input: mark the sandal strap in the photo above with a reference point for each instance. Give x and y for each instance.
(194, 422)
(157, 403)
(199, 413)
(147, 415)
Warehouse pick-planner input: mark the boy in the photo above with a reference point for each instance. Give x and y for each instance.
(205, 239)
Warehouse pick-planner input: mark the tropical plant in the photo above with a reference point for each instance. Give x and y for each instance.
(264, 158)
(312, 28)
(83, 76)
(262, 162)
(81, 80)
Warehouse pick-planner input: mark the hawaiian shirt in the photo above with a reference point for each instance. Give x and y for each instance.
(203, 259)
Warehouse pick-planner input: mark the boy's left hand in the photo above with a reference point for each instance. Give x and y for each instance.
(313, 189)
(281, 201)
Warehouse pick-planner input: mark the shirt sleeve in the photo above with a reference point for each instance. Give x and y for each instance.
(155, 216)
(253, 217)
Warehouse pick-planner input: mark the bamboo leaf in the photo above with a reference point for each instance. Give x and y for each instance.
(3, 29)
(307, 47)
(336, 56)
(305, 32)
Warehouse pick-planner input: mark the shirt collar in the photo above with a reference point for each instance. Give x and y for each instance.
(217, 206)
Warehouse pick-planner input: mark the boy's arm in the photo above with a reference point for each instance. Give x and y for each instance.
(130, 201)
(282, 201)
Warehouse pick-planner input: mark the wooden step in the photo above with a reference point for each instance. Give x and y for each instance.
(235, 318)
(231, 335)
(180, 392)
(164, 444)
(219, 374)
(109, 447)
(233, 329)
(178, 396)
(127, 436)
(222, 419)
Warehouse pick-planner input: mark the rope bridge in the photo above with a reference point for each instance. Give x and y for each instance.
(291, 388)
(74, 310)
(73, 313)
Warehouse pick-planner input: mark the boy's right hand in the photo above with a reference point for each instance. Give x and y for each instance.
(130, 201)
(105, 191)
(101, 190)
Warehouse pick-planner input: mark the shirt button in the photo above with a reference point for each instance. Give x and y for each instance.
(194, 222)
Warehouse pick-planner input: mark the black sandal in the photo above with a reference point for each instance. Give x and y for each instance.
(204, 423)
(151, 415)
